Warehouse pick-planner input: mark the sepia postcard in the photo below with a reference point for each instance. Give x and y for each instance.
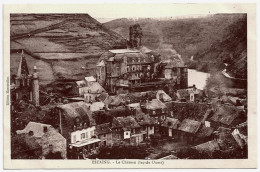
(130, 86)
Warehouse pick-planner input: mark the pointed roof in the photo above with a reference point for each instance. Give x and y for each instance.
(101, 63)
(23, 68)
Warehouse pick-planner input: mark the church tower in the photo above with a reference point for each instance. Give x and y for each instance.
(26, 86)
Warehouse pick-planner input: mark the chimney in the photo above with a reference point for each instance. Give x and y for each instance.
(35, 87)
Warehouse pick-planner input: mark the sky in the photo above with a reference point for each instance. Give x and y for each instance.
(107, 12)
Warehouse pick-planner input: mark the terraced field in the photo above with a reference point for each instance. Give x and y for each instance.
(60, 45)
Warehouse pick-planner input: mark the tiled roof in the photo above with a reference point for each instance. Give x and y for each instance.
(225, 114)
(189, 126)
(36, 127)
(103, 128)
(226, 140)
(77, 109)
(209, 146)
(101, 63)
(204, 131)
(128, 122)
(120, 111)
(95, 87)
(171, 123)
(144, 119)
(181, 111)
(165, 96)
(103, 96)
(155, 104)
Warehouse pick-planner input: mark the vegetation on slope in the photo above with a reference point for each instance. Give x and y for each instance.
(211, 40)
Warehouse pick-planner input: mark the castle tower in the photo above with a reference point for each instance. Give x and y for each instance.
(135, 36)
(35, 87)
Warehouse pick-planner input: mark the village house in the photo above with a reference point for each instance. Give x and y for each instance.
(169, 127)
(240, 134)
(144, 120)
(132, 130)
(89, 89)
(104, 133)
(204, 134)
(225, 143)
(136, 97)
(156, 109)
(77, 125)
(46, 136)
(190, 95)
(188, 110)
(208, 147)
(227, 116)
(118, 133)
(188, 129)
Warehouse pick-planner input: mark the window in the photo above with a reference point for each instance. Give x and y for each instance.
(83, 136)
(126, 133)
(133, 68)
(127, 68)
(151, 127)
(86, 135)
(163, 117)
(153, 111)
(139, 59)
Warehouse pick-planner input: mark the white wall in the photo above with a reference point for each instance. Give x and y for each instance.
(127, 134)
(89, 132)
(150, 130)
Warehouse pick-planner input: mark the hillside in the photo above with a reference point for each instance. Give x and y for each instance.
(211, 40)
(65, 45)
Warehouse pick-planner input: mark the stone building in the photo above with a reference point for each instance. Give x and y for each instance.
(138, 69)
(47, 137)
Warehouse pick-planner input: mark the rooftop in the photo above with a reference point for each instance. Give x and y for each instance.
(225, 114)
(120, 51)
(189, 126)
(209, 146)
(171, 123)
(103, 128)
(128, 122)
(36, 127)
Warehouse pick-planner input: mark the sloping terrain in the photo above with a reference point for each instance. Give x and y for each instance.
(70, 44)
(212, 40)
